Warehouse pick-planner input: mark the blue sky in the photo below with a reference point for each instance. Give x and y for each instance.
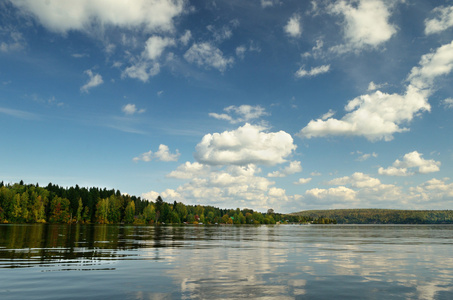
(290, 105)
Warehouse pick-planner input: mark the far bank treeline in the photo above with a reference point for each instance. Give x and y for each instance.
(20, 203)
(381, 216)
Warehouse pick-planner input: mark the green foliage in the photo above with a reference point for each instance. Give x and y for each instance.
(21, 203)
(59, 210)
(130, 213)
(382, 216)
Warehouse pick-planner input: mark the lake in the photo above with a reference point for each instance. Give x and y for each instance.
(226, 262)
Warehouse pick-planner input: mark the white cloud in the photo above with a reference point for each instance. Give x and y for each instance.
(393, 171)
(442, 21)
(146, 65)
(365, 24)
(190, 170)
(434, 193)
(303, 181)
(357, 180)
(223, 33)
(151, 196)
(448, 103)
(95, 80)
(162, 154)
(313, 71)
(155, 45)
(186, 37)
(292, 168)
(316, 50)
(315, 174)
(372, 86)
(207, 55)
(230, 186)
(12, 40)
(379, 115)
(142, 70)
(353, 191)
(361, 190)
(240, 51)
(130, 109)
(248, 144)
(411, 160)
(293, 27)
(63, 16)
(269, 3)
(328, 114)
(432, 65)
(245, 113)
(339, 194)
(376, 116)
(167, 194)
(364, 156)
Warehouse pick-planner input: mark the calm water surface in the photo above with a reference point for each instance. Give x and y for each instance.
(226, 262)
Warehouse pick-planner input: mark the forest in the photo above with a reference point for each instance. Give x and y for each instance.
(30, 203)
(381, 216)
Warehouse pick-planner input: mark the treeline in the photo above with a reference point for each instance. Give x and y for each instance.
(382, 216)
(20, 203)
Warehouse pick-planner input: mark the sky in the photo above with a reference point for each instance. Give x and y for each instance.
(289, 105)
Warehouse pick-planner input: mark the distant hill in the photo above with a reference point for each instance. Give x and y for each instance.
(381, 216)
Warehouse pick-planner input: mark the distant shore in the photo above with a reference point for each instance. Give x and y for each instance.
(381, 216)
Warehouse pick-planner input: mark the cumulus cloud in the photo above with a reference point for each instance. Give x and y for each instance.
(312, 72)
(303, 181)
(293, 27)
(147, 63)
(244, 113)
(63, 16)
(155, 45)
(292, 168)
(375, 116)
(190, 170)
(209, 56)
(230, 186)
(93, 81)
(373, 86)
(362, 190)
(142, 70)
(249, 144)
(443, 20)
(364, 156)
(130, 109)
(332, 195)
(379, 115)
(434, 193)
(365, 25)
(357, 180)
(411, 160)
(431, 66)
(167, 194)
(328, 114)
(162, 154)
(359, 189)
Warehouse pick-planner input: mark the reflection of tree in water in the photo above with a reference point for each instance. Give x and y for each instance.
(35, 244)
